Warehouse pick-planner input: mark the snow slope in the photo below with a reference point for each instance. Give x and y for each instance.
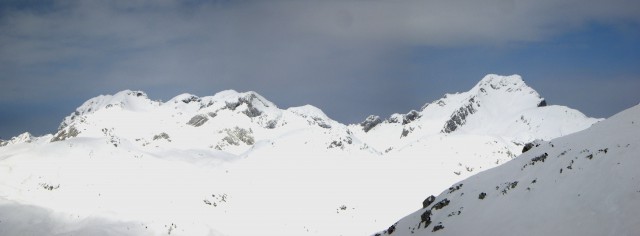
(236, 164)
(580, 184)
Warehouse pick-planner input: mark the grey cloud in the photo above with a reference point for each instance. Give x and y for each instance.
(287, 50)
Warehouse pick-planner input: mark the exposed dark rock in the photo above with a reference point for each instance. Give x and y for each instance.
(251, 111)
(437, 227)
(405, 132)
(198, 120)
(409, 117)
(508, 186)
(370, 122)
(539, 158)
(428, 201)
(162, 135)
(335, 144)
(482, 195)
(542, 103)
(49, 187)
(65, 134)
(528, 146)
(321, 122)
(426, 218)
(392, 228)
(271, 124)
(190, 99)
(458, 118)
(442, 203)
(455, 188)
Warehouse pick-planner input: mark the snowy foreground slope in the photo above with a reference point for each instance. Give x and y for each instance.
(236, 164)
(585, 183)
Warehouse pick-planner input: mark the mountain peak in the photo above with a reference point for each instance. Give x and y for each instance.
(25, 137)
(499, 82)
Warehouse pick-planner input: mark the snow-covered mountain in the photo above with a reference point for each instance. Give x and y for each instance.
(498, 106)
(580, 184)
(235, 163)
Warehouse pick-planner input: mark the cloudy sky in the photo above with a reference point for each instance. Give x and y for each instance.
(350, 58)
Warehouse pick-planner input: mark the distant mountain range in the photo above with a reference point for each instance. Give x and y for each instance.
(236, 164)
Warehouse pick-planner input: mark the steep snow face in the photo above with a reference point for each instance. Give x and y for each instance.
(499, 106)
(580, 184)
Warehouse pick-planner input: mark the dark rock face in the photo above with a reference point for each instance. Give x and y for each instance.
(191, 99)
(409, 117)
(482, 195)
(341, 143)
(428, 201)
(320, 122)
(437, 227)
(458, 118)
(530, 145)
(538, 158)
(271, 124)
(455, 188)
(198, 120)
(405, 132)
(542, 103)
(527, 147)
(65, 134)
(440, 204)
(426, 218)
(251, 111)
(392, 228)
(370, 122)
(3, 143)
(162, 135)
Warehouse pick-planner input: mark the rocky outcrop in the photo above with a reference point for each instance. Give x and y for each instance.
(370, 122)
(198, 120)
(458, 118)
(65, 134)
